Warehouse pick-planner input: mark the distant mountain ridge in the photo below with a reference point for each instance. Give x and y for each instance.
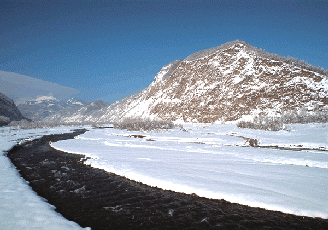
(83, 113)
(224, 83)
(41, 107)
(49, 109)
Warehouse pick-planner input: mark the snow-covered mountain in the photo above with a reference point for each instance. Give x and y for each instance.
(83, 113)
(224, 84)
(40, 108)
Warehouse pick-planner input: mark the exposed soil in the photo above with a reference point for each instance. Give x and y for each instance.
(101, 200)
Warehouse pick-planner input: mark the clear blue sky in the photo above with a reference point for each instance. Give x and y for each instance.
(110, 49)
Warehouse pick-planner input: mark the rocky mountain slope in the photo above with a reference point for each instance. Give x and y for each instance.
(224, 83)
(8, 111)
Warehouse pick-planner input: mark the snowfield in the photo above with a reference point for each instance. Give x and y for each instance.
(288, 172)
(213, 161)
(20, 207)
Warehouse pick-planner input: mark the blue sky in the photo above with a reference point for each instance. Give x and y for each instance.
(111, 49)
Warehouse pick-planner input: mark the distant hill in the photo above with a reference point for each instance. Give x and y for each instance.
(8, 111)
(20, 87)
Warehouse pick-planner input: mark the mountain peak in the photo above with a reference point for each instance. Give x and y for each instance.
(226, 83)
(207, 52)
(223, 83)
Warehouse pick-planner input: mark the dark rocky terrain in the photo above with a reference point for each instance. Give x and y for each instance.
(101, 200)
(8, 111)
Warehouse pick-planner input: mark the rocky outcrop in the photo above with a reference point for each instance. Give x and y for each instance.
(8, 111)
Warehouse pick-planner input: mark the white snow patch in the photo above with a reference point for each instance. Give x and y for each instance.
(20, 206)
(38, 100)
(203, 159)
(310, 83)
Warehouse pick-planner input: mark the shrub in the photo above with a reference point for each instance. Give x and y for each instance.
(291, 117)
(138, 124)
(4, 120)
(304, 117)
(26, 124)
(264, 123)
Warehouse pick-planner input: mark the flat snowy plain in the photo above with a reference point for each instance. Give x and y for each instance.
(20, 206)
(213, 161)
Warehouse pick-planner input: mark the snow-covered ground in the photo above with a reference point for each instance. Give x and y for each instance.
(20, 206)
(213, 161)
(209, 160)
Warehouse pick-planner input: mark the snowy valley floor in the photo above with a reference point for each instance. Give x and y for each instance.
(102, 200)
